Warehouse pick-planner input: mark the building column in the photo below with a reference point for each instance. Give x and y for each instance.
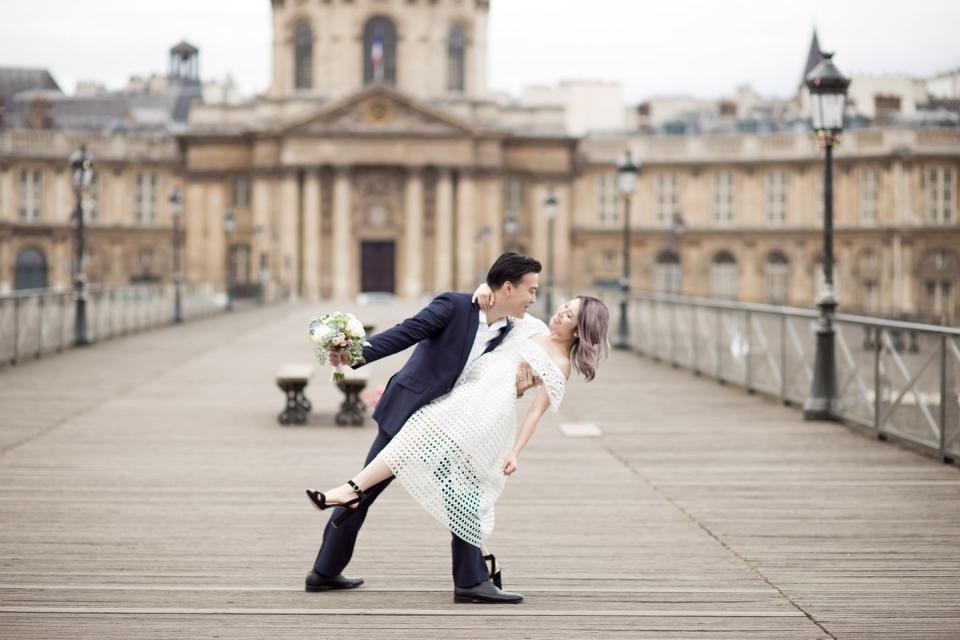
(561, 244)
(311, 235)
(443, 233)
(494, 204)
(7, 265)
(537, 247)
(342, 273)
(290, 233)
(213, 246)
(263, 235)
(413, 235)
(466, 232)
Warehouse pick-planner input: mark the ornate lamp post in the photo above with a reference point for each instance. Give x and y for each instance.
(550, 207)
(627, 173)
(828, 93)
(229, 225)
(81, 166)
(176, 212)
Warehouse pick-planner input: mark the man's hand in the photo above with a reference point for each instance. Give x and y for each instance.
(340, 358)
(525, 378)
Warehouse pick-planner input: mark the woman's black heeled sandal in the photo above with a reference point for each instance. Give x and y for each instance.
(320, 502)
(494, 572)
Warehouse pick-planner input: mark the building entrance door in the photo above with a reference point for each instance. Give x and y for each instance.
(378, 266)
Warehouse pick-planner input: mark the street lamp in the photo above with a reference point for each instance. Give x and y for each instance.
(176, 212)
(229, 225)
(550, 206)
(81, 166)
(627, 173)
(828, 93)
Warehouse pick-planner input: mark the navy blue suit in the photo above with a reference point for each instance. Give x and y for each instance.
(444, 333)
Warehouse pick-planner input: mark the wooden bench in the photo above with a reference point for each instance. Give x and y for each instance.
(292, 380)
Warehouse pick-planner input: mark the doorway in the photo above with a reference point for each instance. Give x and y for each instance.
(378, 266)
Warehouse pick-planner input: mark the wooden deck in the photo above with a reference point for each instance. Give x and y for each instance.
(147, 491)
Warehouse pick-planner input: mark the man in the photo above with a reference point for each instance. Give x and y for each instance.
(449, 333)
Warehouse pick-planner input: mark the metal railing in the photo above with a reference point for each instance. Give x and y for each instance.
(36, 322)
(898, 379)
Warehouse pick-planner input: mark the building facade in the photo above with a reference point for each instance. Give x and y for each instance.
(379, 161)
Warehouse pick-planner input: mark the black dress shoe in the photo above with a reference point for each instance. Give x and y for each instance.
(319, 582)
(486, 592)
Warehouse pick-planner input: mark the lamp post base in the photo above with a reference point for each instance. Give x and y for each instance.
(623, 337)
(823, 392)
(81, 337)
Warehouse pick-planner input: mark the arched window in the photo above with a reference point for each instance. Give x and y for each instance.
(303, 56)
(30, 271)
(380, 51)
(778, 277)
(724, 276)
(456, 78)
(668, 272)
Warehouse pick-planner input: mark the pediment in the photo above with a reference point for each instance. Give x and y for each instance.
(376, 111)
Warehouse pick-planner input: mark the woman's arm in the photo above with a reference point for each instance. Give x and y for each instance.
(530, 422)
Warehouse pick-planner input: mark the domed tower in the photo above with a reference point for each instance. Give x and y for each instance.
(427, 48)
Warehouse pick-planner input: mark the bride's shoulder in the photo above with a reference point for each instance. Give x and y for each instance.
(533, 323)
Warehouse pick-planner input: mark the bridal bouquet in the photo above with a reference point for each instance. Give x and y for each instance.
(337, 333)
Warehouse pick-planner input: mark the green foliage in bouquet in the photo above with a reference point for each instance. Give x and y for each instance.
(337, 333)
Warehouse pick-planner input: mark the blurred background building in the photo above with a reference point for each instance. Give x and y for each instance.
(379, 160)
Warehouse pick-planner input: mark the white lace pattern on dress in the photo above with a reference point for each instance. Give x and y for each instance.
(449, 454)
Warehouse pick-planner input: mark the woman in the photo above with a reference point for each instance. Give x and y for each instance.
(453, 455)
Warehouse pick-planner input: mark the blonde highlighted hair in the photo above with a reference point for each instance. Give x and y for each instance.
(590, 347)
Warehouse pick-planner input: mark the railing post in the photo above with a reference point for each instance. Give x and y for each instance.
(673, 333)
(943, 398)
(63, 321)
(40, 307)
(783, 358)
(878, 348)
(719, 346)
(749, 353)
(693, 333)
(16, 330)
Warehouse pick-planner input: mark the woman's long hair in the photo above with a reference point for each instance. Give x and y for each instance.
(590, 348)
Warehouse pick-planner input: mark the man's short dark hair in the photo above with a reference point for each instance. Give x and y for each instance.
(511, 267)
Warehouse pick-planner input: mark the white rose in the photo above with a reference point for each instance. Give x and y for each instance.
(355, 327)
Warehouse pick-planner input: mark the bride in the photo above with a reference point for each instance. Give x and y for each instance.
(453, 454)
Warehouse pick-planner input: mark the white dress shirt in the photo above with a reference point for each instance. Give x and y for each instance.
(485, 333)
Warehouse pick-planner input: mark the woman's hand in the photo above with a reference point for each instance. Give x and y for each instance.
(510, 464)
(483, 296)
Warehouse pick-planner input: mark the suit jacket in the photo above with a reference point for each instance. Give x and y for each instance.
(444, 333)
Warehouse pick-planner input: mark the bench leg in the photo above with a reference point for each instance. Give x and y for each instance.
(297, 406)
(352, 410)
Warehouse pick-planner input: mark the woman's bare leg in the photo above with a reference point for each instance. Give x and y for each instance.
(375, 472)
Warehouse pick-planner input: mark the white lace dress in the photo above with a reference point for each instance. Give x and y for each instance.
(450, 453)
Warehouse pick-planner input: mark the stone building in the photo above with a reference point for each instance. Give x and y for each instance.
(378, 160)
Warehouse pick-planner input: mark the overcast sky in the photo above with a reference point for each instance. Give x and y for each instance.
(704, 48)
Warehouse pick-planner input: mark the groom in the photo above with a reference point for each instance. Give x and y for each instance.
(449, 333)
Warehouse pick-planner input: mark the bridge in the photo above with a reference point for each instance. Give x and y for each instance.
(146, 490)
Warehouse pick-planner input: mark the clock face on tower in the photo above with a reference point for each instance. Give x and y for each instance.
(378, 111)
